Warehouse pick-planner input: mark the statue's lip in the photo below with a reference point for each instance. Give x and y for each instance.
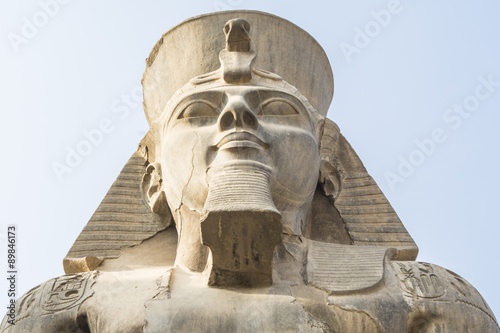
(241, 140)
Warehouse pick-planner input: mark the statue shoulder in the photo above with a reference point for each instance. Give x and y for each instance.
(441, 298)
(50, 307)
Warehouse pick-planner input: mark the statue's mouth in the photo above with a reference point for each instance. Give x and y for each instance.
(241, 140)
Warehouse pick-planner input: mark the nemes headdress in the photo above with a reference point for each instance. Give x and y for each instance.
(250, 48)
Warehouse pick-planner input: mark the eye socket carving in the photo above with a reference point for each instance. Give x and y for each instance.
(277, 107)
(198, 109)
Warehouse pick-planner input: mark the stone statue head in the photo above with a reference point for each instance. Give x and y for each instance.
(235, 139)
(239, 118)
(239, 155)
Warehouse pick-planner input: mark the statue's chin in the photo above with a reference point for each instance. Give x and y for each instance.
(240, 224)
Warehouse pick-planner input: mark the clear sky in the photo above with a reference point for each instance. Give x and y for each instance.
(417, 94)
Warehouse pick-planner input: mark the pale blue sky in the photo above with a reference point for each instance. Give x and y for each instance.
(395, 87)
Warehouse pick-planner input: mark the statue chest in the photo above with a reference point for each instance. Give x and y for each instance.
(215, 310)
(187, 306)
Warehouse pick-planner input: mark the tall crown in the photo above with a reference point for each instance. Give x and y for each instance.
(191, 49)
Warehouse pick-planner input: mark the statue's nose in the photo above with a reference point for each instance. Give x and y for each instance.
(237, 114)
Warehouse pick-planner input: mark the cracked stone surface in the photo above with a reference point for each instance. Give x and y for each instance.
(244, 209)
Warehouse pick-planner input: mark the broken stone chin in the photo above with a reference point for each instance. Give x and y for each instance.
(240, 224)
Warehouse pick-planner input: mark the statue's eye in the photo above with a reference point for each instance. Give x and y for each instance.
(277, 107)
(198, 109)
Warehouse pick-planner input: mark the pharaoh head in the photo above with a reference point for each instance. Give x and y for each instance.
(239, 139)
(239, 154)
(241, 117)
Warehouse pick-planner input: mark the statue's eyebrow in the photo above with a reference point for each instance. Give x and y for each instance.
(263, 95)
(212, 98)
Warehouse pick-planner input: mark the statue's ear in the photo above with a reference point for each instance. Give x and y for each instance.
(152, 189)
(329, 178)
(330, 168)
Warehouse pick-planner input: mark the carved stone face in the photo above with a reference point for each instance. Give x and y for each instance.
(241, 125)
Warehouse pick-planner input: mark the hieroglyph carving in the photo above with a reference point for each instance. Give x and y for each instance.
(419, 280)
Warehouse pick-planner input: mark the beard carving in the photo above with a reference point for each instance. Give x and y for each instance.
(240, 224)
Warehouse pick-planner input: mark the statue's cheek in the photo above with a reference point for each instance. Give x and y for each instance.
(184, 163)
(296, 154)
